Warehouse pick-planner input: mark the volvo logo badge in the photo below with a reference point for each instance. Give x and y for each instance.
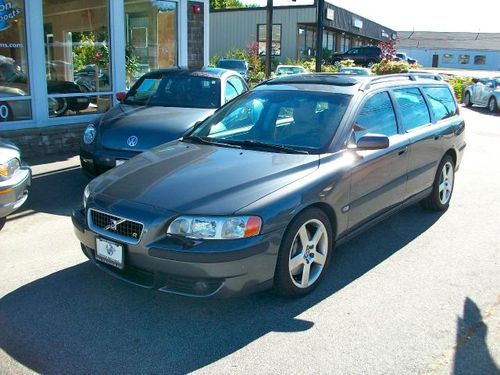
(113, 224)
(132, 141)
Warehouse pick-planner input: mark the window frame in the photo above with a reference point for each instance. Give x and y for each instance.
(259, 40)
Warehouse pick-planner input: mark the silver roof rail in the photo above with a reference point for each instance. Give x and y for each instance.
(399, 77)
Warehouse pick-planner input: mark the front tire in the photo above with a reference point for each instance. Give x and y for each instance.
(442, 189)
(304, 254)
(492, 105)
(467, 100)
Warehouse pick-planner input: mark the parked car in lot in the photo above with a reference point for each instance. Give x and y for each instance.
(259, 193)
(284, 70)
(160, 107)
(404, 57)
(15, 180)
(355, 70)
(365, 56)
(238, 65)
(485, 92)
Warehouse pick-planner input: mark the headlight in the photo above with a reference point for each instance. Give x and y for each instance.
(9, 168)
(216, 228)
(89, 134)
(86, 194)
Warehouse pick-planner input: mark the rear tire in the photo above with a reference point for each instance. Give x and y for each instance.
(492, 105)
(467, 100)
(304, 254)
(442, 188)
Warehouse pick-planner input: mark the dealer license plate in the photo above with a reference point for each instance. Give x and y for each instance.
(109, 252)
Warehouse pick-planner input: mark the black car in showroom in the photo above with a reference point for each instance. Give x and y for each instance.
(160, 107)
(259, 193)
(365, 56)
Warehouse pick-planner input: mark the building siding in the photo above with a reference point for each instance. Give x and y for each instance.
(236, 29)
(424, 58)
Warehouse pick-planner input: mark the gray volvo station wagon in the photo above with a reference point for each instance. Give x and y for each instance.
(259, 194)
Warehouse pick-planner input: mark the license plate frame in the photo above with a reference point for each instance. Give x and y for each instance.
(109, 252)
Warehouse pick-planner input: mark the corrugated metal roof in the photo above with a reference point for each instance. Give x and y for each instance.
(449, 40)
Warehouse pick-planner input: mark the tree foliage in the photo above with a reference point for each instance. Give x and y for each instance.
(224, 4)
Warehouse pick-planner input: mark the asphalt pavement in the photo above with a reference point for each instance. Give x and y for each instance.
(416, 294)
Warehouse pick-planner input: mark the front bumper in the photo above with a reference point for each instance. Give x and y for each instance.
(193, 268)
(14, 191)
(98, 162)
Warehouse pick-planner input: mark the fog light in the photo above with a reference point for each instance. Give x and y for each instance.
(200, 286)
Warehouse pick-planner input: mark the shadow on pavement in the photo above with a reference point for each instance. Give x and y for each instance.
(81, 320)
(57, 192)
(471, 350)
(484, 110)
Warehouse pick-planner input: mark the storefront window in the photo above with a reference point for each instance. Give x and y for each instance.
(15, 100)
(151, 37)
(275, 43)
(77, 55)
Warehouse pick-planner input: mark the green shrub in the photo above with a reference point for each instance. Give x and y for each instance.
(213, 60)
(392, 67)
(346, 63)
(459, 84)
(236, 53)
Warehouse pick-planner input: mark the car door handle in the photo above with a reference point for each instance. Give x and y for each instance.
(401, 152)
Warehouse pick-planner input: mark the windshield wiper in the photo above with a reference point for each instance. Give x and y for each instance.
(269, 146)
(208, 141)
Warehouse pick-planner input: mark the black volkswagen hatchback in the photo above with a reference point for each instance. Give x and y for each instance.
(160, 107)
(259, 193)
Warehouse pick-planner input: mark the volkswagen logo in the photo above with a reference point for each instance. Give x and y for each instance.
(132, 141)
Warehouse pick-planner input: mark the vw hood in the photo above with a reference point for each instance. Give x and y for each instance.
(151, 125)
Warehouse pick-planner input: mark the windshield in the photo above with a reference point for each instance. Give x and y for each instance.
(300, 120)
(231, 64)
(175, 91)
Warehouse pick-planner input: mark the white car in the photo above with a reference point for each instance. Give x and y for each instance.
(285, 70)
(15, 180)
(485, 92)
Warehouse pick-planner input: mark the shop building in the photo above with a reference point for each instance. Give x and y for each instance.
(457, 50)
(63, 61)
(294, 30)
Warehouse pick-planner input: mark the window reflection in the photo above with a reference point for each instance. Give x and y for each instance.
(15, 103)
(151, 37)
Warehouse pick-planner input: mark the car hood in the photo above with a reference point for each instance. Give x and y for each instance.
(151, 125)
(201, 179)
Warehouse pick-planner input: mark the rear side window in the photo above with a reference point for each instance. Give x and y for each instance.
(376, 117)
(441, 101)
(413, 109)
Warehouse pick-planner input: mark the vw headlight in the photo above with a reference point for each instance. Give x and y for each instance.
(216, 228)
(86, 194)
(89, 134)
(8, 169)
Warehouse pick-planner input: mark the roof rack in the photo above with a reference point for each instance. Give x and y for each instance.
(399, 77)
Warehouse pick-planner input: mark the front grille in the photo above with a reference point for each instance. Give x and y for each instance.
(116, 225)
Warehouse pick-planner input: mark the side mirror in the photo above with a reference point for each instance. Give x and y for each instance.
(250, 69)
(475, 80)
(372, 142)
(120, 96)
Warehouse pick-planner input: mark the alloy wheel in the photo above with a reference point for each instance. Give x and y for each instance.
(446, 183)
(308, 254)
